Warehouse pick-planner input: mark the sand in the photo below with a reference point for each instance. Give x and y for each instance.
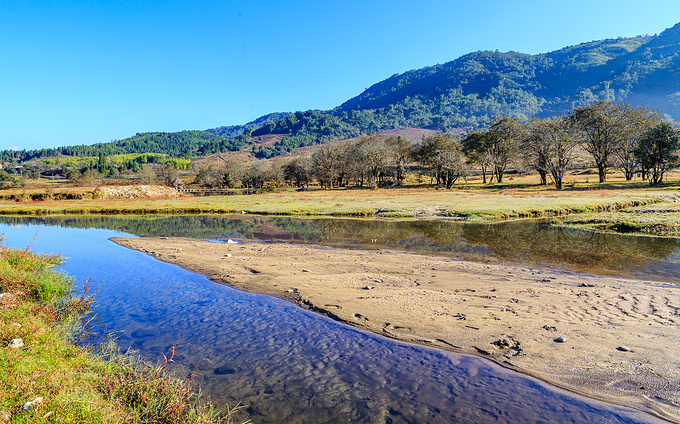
(611, 339)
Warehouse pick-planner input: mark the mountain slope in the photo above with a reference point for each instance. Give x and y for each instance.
(475, 88)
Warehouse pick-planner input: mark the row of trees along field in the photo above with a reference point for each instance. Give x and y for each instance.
(633, 139)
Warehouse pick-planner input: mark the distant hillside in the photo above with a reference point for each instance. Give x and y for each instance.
(236, 130)
(457, 96)
(177, 144)
(475, 88)
(467, 93)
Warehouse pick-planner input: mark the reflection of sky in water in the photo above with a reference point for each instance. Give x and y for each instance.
(529, 243)
(287, 364)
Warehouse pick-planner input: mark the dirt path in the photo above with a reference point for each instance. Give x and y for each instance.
(608, 338)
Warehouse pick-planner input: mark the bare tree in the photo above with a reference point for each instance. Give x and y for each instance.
(232, 171)
(443, 155)
(298, 170)
(551, 145)
(374, 154)
(504, 135)
(606, 128)
(208, 175)
(328, 163)
(260, 174)
(165, 174)
(401, 151)
(639, 120)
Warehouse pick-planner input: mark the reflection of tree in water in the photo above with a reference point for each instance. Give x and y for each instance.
(195, 226)
(524, 242)
(584, 251)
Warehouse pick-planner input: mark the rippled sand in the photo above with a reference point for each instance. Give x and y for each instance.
(621, 337)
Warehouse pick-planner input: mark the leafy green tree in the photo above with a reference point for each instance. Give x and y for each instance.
(7, 180)
(657, 151)
(476, 146)
(228, 180)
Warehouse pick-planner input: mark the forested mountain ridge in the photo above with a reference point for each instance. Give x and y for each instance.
(461, 95)
(235, 130)
(484, 85)
(469, 92)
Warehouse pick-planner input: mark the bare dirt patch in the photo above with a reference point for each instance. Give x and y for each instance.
(134, 192)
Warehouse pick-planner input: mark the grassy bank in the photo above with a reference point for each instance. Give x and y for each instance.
(51, 379)
(472, 204)
(659, 219)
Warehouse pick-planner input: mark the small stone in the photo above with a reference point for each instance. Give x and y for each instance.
(16, 344)
(378, 281)
(623, 348)
(34, 403)
(228, 255)
(550, 328)
(16, 325)
(586, 285)
(368, 288)
(48, 414)
(560, 340)
(306, 270)
(230, 241)
(290, 290)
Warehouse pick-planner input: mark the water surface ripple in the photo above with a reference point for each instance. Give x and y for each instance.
(288, 365)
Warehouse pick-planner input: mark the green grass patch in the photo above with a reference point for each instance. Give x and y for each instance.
(659, 219)
(77, 384)
(476, 205)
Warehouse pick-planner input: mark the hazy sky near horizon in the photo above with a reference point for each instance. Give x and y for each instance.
(84, 72)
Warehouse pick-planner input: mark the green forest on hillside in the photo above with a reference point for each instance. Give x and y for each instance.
(458, 96)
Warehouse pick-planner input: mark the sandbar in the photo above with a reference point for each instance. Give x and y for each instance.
(612, 339)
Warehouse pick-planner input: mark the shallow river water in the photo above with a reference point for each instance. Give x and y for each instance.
(287, 365)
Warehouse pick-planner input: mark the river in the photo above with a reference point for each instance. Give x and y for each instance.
(287, 365)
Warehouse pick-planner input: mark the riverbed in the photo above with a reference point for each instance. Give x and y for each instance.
(284, 363)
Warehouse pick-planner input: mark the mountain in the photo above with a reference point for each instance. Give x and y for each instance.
(468, 92)
(177, 144)
(235, 130)
(457, 96)
(475, 88)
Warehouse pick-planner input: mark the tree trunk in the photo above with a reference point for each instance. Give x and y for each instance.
(602, 172)
(629, 173)
(499, 175)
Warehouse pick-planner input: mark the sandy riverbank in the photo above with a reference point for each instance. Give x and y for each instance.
(621, 337)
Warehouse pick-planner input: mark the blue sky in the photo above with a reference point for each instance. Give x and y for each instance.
(84, 72)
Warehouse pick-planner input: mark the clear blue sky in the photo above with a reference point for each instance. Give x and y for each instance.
(83, 72)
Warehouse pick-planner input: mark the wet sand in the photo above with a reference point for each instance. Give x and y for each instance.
(608, 338)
